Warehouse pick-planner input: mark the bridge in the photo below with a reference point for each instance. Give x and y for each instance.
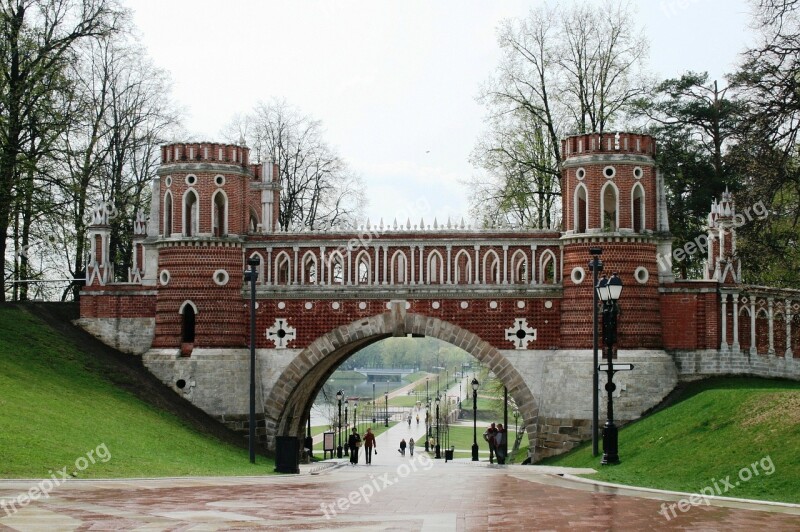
(390, 374)
(519, 300)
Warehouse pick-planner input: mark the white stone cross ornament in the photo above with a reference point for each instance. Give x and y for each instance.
(520, 333)
(281, 333)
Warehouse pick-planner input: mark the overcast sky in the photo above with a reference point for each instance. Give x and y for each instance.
(394, 83)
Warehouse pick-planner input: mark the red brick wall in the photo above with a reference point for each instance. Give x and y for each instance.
(116, 302)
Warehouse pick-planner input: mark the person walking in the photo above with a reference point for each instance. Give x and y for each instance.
(354, 443)
(409, 420)
(418, 420)
(403, 447)
(369, 444)
(411, 446)
(500, 444)
(488, 436)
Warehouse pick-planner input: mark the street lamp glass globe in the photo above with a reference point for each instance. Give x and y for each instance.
(614, 287)
(475, 384)
(339, 395)
(438, 399)
(602, 289)
(346, 402)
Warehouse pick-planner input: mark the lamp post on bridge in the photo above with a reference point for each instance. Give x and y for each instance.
(386, 398)
(346, 427)
(373, 403)
(475, 385)
(339, 396)
(438, 447)
(595, 266)
(355, 415)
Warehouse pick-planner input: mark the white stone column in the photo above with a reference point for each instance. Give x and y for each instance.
(476, 279)
(505, 264)
(377, 265)
(295, 249)
(736, 346)
(449, 260)
(770, 304)
(423, 278)
(349, 267)
(532, 269)
(413, 256)
(787, 314)
(753, 348)
(321, 272)
(724, 329)
(269, 265)
(385, 262)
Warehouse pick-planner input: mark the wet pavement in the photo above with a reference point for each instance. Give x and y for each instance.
(414, 494)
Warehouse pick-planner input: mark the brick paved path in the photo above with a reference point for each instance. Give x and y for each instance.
(419, 495)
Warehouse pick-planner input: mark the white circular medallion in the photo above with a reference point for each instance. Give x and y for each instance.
(362, 305)
(520, 304)
(641, 274)
(335, 305)
(464, 304)
(578, 275)
(580, 173)
(435, 305)
(164, 277)
(309, 305)
(492, 304)
(548, 304)
(281, 305)
(221, 277)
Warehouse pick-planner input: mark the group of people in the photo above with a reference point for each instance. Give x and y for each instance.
(497, 439)
(404, 445)
(355, 442)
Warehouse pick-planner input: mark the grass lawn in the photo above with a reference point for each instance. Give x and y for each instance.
(56, 407)
(744, 429)
(411, 377)
(406, 400)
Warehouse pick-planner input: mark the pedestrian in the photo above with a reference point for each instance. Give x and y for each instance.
(369, 443)
(409, 420)
(488, 436)
(411, 446)
(500, 444)
(418, 420)
(403, 447)
(354, 442)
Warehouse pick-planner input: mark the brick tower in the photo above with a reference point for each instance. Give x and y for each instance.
(613, 198)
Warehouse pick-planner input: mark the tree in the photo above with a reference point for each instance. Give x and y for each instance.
(319, 190)
(574, 70)
(37, 40)
(694, 120)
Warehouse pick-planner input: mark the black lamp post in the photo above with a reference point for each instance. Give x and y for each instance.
(438, 448)
(346, 429)
(595, 266)
(386, 398)
(339, 396)
(373, 403)
(475, 385)
(355, 415)
(251, 276)
(516, 421)
(609, 291)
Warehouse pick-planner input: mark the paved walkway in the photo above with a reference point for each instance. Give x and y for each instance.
(420, 494)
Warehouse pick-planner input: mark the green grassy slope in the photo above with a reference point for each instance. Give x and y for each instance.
(57, 404)
(723, 428)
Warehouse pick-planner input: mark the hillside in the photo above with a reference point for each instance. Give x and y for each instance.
(743, 430)
(64, 395)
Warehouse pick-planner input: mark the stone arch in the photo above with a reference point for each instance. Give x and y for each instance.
(519, 267)
(167, 214)
(398, 269)
(609, 207)
(580, 209)
(363, 268)
(308, 269)
(491, 268)
(435, 273)
(191, 213)
(638, 208)
(287, 405)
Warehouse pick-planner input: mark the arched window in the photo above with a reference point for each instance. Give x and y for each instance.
(519, 267)
(282, 270)
(435, 268)
(168, 214)
(252, 223)
(609, 207)
(188, 318)
(309, 270)
(491, 268)
(336, 268)
(363, 268)
(547, 268)
(219, 214)
(637, 208)
(399, 268)
(191, 213)
(260, 268)
(580, 209)
(463, 268)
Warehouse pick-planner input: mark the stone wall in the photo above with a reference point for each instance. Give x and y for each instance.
(711, 362)
(129, 335)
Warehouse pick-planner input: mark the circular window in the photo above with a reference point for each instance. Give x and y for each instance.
(335, 305)
(578, 275)
(164, 277)
(181, 384)
(435, 305)
(609, 172)
(168, 181)
(191, 179)
(492, 304)
(638, 172)
(641, 274)
(464, 304)
(580, 173)
(281, 305)
(219, 180)
(309, 305)
(362, 305)
(221, 277)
